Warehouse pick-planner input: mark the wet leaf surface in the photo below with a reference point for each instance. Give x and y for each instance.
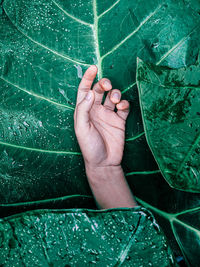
(115, 237)
(177, 212)
(45, 48)
(170, 107)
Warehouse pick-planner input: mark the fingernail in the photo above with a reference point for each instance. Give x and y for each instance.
(93, 67)
(88, 96)
(116, 96)
(107, 84)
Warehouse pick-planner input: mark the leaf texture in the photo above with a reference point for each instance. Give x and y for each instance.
(45, 48)
(115, 237)
(177, 212)
(170, 107)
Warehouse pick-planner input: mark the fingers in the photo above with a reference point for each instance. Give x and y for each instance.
(99, 89)
(82, 113)
(123, 109)
(112, 98)
(86, 83)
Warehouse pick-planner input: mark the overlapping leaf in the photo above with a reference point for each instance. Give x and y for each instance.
(115, 237)
(170, 106)
(45, 48)
(178, 213)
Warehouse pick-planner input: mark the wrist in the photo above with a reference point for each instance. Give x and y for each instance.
(110, 187)
(103, 172)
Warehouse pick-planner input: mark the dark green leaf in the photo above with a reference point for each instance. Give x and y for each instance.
(40, 71)
(45, 47)
(115, 237)
(176, 211)
(170, 107)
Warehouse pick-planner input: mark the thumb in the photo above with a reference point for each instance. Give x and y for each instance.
(82, 112)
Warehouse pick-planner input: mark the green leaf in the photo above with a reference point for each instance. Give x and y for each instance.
(170, 108)
(177, 212)
(113, 237)
(45, 48)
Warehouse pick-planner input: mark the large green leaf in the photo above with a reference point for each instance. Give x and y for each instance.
(170, 107)
(114, 237)
(176, 211)
(39, 79)
(167, 122)
(45, 47)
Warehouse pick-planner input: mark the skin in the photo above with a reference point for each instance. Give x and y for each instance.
(100, 132)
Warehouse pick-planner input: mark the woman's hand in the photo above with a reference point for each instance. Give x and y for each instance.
(99, 129)
(101, 132)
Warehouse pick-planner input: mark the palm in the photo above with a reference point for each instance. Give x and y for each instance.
(99, 129)
(107, 135)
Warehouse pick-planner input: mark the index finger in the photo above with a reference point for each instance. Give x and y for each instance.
(86, 83)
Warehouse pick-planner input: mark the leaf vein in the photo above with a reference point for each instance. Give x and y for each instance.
(110, 8)
(44, 200)
(175, 46)
(36, 95)
(128, 88)
(49, 49)
(124, 252)
(142, 172)
(166, 55)
(71, 16)
(196, 142)
(171, 87)
(135, 137)
(132, 33)
(40, 150)
(96, 38)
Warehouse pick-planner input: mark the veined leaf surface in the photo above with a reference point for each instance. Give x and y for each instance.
(115, 237)
(40, 73)
(177, 212)
(170, 107)
(45, 48)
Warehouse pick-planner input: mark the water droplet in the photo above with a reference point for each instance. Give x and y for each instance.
(79, 71)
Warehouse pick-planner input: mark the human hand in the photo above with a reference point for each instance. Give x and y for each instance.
(99, 129)
(101, 132)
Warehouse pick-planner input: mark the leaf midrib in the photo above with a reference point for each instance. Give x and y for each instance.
(95, 30)
(99, 58)
(171, 86)
(40, 150)
(171, 217)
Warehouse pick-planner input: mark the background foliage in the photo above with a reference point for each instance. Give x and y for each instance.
(45, 47)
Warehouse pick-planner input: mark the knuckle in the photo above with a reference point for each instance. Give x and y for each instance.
(108, 107)
(98, 89)
(96, 85)
(84, 89)
(97, 102)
